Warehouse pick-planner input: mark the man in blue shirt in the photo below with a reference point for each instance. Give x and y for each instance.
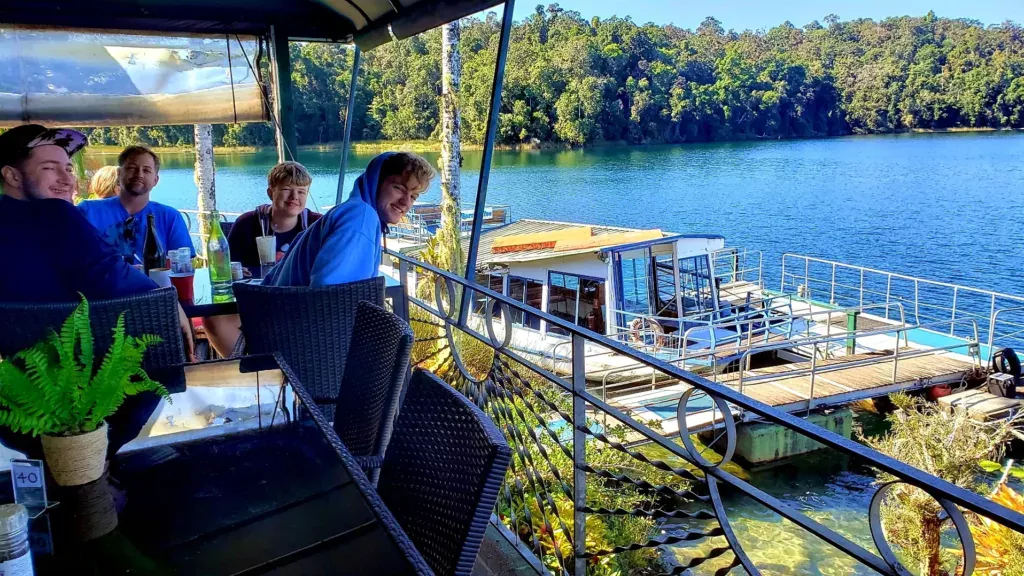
(53, 253)
(345, 245)
(122, 219)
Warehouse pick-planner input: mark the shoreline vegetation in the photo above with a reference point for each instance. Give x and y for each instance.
(433, 146)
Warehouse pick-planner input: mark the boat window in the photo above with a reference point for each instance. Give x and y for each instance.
(665, 287)
(576, 299)
(636, 283)
(529, 292)
(696, 283)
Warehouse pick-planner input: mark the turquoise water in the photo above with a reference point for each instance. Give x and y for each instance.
(942, 206)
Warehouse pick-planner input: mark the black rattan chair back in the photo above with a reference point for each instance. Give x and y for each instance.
(375, 373)
(442, 472)
(310, 327)
(154, 312)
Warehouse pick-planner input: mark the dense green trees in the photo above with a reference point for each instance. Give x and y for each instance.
(576, 81)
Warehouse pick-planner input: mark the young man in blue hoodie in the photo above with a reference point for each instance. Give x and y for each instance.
(345, 245)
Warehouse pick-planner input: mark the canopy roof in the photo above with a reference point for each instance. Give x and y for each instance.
(369, 23)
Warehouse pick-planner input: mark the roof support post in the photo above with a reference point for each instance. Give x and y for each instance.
(281, 67)
(676, 285)
(485, 163)
(357, 57)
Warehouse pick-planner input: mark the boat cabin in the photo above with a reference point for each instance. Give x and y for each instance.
(603, 278)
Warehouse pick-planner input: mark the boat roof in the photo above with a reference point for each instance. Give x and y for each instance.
(486, 256)
(369, 23)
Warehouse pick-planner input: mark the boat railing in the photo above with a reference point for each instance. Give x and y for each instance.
(767, 303)
(735, 265)
(972, 346)
(624, 329)
(725, 350)
(926, 300)
(421, 222)
(1016, 335)
(733, 346)
(564, 438)
(779, 314)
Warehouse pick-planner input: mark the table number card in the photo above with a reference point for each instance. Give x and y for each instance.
(29, 485)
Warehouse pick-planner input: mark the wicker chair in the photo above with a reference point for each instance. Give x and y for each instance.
(154, 312)
(375, 372)
(310, 327)
(442, 471)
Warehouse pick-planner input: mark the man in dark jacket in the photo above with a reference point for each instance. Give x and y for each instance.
(53, 253)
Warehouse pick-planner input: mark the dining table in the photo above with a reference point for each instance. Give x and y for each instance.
(208, 300)
(280, 495)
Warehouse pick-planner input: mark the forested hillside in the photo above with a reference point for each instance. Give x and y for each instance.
(576, 81)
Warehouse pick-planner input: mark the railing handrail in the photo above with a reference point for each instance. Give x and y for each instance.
(931, 484)
(872, 332)
(896, 275)
(801, 315)
(992, 326)
(698, 317)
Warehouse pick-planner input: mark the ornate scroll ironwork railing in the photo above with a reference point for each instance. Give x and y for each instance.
(592, 489)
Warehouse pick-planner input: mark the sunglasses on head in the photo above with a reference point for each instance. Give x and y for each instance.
(129, 229)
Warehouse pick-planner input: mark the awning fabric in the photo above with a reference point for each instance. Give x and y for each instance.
(88, 78)
(369, 23)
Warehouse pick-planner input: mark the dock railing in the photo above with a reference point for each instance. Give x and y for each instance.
(971, 346)
(927, 301)
(577, 477)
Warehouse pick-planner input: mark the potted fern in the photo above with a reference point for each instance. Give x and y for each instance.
(55, 390)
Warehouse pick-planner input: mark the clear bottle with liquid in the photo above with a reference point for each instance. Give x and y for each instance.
(218, 255)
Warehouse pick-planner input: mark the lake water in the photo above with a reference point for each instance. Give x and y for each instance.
(942, 206)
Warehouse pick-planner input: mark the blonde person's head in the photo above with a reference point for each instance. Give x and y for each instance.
(403, 177)
(104, 183)
(288, 187)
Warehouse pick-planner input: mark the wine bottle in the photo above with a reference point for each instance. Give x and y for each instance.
(153, 253)
(218, 255)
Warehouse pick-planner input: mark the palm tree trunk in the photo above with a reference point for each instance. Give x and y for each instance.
(204, 175)
(449, 236)
(931, 533)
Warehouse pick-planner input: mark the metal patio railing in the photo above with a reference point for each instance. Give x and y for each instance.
(573, 477)
(926, 301)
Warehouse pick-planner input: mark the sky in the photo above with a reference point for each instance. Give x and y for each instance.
(754, 14)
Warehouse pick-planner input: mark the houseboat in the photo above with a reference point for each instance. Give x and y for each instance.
(818, 342)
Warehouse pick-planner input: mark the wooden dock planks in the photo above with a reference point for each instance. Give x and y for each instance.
(833, 384)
